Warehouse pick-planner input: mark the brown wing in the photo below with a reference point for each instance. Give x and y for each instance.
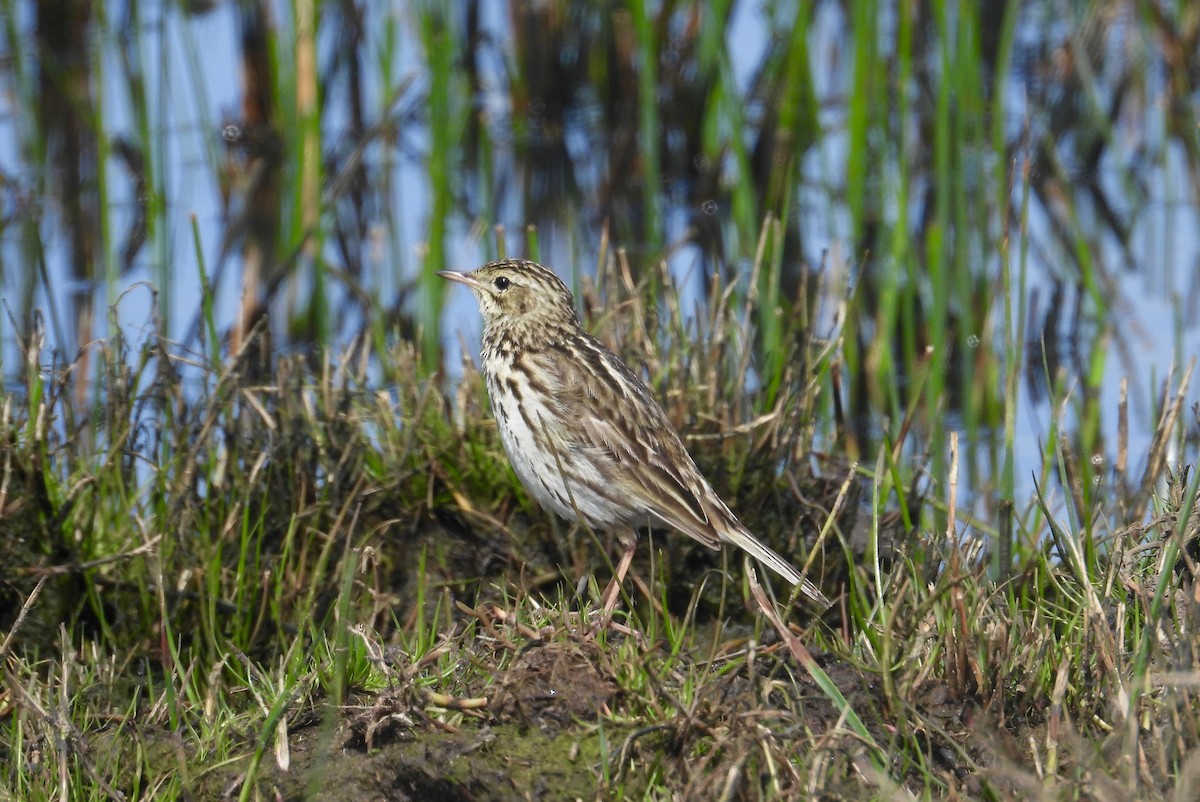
(651, 473)
(609, 416)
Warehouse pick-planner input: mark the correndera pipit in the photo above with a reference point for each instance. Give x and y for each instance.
(582, 431)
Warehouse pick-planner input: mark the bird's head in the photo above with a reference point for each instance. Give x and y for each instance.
(519, 295)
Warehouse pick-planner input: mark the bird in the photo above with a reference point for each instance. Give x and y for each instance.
(583, 432)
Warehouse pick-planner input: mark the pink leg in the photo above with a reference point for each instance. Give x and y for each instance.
(613, 592)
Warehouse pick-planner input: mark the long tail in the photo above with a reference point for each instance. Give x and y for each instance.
(740, 537)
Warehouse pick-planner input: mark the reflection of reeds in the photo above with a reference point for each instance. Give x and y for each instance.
(445, 103)
(69, 123)
(256, 164)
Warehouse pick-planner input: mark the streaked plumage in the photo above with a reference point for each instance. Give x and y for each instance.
(582, 431)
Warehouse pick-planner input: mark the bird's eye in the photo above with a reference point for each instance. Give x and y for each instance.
(501, 283)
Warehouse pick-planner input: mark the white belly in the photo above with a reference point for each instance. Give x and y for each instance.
(560, 478)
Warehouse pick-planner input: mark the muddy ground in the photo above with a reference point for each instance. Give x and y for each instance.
(553, 728)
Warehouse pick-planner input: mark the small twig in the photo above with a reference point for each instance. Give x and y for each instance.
(25, 608)
(74, 568)
(453, 702)
(793, 643)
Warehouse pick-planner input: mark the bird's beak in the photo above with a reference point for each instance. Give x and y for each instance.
(461, 278)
